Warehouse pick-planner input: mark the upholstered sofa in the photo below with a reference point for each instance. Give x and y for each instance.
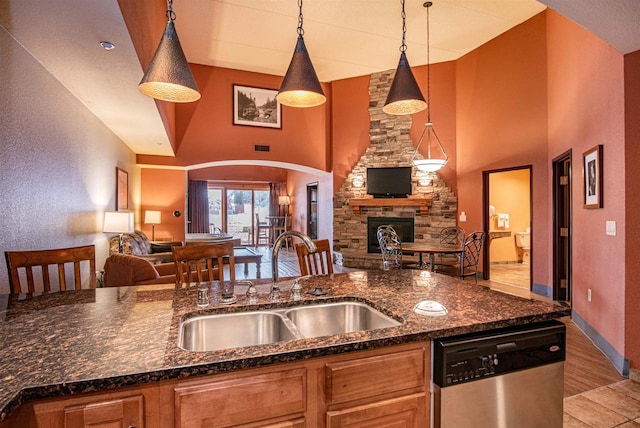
(127, 269)
(138, 244)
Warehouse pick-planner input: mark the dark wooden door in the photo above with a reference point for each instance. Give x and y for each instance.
(562, 227)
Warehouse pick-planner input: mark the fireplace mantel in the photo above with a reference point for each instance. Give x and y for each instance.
(422, 203)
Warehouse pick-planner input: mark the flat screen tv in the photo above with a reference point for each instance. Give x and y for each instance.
(392, 182)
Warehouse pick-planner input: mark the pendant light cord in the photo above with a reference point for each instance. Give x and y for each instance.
(403, 46)
(170, 14)
(428, 5)
(300, 29)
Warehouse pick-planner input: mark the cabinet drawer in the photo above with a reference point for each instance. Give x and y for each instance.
(126, 412)
(368, 377)
(409, 412)
(239, 401)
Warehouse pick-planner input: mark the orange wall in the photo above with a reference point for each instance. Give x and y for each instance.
(164, 190)
(205, 130)
(240, 173)
(632, 206)
(443, 115)
(350, 125)
(501, 122)
(586, 108)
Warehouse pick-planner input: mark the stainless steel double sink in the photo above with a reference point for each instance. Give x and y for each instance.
(239, 329)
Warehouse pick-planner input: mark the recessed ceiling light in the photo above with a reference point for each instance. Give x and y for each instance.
(107, 45)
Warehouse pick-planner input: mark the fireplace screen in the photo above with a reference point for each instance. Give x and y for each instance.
(402, 225)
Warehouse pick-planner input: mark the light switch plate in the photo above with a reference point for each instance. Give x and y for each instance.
(611, 228)
(463, 216)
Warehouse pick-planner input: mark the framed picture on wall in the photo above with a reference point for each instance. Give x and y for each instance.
(256, 107)
(122, 189)
(592, 172)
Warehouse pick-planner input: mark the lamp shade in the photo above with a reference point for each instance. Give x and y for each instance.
(152, 217)
(284, 200)
(118, 222)
(169, 77)
(404, 96)
(429, 165)
(300, 86)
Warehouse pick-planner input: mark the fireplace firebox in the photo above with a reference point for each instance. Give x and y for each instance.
(402, 225)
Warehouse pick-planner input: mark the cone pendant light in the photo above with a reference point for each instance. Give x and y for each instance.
(168, 76)
(404, 96)
(300, 86)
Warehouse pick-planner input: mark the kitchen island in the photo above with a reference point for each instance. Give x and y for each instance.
(67, 344)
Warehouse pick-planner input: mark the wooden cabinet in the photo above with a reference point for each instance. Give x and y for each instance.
(381, 387)
(240, 401)
(404, 412)
(121, 412)
(382, 390)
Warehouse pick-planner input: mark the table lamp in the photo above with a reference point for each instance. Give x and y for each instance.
(152, 217)
(118, 222)
(285, 201)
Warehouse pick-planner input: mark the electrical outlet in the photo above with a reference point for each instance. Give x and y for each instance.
(589, 294)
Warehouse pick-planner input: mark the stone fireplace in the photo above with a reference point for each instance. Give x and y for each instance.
(390, 145)
(402, 225)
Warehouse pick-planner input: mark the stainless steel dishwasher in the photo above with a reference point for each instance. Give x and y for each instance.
(506, 378)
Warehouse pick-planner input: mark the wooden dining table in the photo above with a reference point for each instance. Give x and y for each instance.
(431, 249)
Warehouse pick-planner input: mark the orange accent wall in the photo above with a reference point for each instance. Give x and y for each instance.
(164, 190)
(586, 108)
(443, 115)
(632, 206)
(240, 173)
(206, 132)
(350, 125)
(501, 122)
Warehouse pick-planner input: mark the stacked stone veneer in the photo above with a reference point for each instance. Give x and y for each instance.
(390, 146)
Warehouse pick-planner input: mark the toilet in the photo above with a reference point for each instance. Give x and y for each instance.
(523, 245)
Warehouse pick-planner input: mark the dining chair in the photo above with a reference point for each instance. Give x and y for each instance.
(263, 231)
(194, 263)
(318, 262)
(23, 265)
(390, 247)
(468, 265)
(451, 236)
(281, 225)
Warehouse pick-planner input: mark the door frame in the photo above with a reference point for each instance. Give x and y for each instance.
(311, 188)
(485, 218)
(557, 165)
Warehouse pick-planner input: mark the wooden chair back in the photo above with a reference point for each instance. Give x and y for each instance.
(194, 263)
(23, 264)
(318, 262)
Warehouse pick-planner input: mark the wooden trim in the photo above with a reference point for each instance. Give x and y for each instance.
(423, 204)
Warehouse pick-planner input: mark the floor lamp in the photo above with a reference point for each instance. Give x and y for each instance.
(152, 217)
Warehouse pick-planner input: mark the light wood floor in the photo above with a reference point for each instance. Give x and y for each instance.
(595, 394)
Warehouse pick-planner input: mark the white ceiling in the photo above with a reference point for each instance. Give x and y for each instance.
(345, 38)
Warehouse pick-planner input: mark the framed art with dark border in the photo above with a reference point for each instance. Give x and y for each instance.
(122, 189)
(256, 107)
(592, 173)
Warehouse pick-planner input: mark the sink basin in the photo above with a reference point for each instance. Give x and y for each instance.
(236, 330)
(222, 331)
(336, 318)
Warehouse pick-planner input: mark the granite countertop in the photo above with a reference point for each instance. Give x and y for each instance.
(81, 341)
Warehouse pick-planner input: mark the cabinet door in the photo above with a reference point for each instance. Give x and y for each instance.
(403, 412)
(122, 412)
(244, 400)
